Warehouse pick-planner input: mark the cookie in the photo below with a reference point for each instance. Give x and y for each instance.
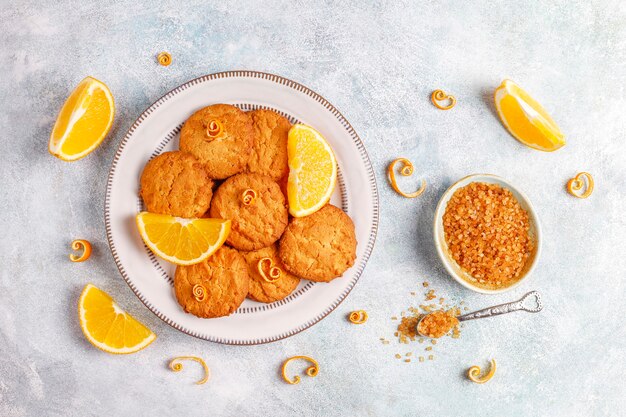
(225, 147)
(215, 287)
(256, 225)
(269, 148)
(319, 247)
(176, 183)
(260, 289)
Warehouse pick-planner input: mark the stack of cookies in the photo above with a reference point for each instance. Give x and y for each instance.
(234, 165)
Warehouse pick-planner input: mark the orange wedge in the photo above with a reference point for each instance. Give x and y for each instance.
(182, 241)
(84, 121)
(107, 326)
(312, 171)
(526, 119)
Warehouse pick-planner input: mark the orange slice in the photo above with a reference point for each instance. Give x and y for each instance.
(84, 121)
(182, 241)
(107, 326)
(526, 119)
(312, 171)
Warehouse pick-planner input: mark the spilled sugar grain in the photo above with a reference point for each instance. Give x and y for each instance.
(406, 331)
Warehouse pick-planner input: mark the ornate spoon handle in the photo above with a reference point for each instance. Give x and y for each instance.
(520, 304)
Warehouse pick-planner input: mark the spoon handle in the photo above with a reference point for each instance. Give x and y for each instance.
(520, 304)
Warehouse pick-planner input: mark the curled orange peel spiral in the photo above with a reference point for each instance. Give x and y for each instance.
(576, 184)
(473, 373)
(164, 58)
(273, 272)
(406, 171)
(440, 95)
(248, 197)
(310, 371)
(199, 292)
(213, 129)
(358, 317)
(85, 246)
(176, 366)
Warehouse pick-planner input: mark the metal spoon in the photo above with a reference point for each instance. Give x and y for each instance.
(518, 305)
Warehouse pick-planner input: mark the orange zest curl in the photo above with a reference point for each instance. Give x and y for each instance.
(85, 246)
(473, 373)
(199, 292)
(358, 317)
(213, 129)
(176, 366)
(406, 171)
(248, 197)
(310, 371)
(440, 95)
(164, 59)
(576, 184)
(273, 272)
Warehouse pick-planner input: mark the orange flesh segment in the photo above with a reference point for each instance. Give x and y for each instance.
(526, 119)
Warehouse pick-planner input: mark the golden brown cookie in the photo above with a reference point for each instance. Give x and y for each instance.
(269, 149)
(319, 247)
(215, 287)
(268, 290)
(224, 148)
(255, 225)
(176, 183)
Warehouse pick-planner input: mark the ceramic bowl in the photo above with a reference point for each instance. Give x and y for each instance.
(450, 264)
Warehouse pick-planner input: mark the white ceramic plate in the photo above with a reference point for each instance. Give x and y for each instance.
(450, 264)
(157, 130)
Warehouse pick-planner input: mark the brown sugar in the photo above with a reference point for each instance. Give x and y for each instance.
(487, 233)
(437, 324)
(407, 329)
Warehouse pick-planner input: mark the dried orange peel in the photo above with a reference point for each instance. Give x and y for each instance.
(440, 95)
(85, 246)
(406, 170)
(164, 59)
(358, 317)
(273, 272)
(176, 366)
(213, 129)
(199, 292)
(473, 373)
(248, 197)
(576, 184)
(310, 371)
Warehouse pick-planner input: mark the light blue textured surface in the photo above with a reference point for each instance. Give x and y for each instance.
(377, 62)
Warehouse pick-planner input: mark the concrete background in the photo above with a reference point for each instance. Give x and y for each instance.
(377, 62)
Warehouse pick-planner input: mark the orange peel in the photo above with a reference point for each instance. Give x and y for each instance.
(199, 292)
(164, 59)
(406, 170)
(248, 197)
(85, 246)
(440, 95)
(213, 129)
(473, 373)
(273, 272)
(576, 184)
(176, 366)
(311, 371)
(358, 317)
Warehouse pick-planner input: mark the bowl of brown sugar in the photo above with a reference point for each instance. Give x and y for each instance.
(487, 234)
